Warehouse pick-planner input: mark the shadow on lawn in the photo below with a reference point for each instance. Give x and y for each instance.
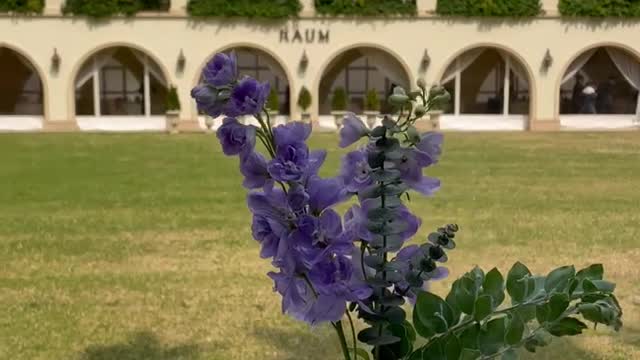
(142, 346)
(295, 343)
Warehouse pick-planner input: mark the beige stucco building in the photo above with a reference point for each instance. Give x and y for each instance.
(67, 73)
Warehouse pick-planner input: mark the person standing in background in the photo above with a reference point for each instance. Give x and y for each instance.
(589, 97)
(576, 96)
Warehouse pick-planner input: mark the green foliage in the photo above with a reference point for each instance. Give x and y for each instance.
(172, 102)
(304, 99)
(107, 8)
(469, 324)
(339, 99)
(600, 8)
(372, 103)
(497, 8)
(269, 9)
(273, 103)
(366, 7)
(22, 6)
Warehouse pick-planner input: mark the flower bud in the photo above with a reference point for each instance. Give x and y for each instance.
(421, 83)
(420, 111)
(398, 99)
(399, 90)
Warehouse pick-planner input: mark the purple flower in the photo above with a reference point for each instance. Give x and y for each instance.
(290, 163)
(293, 132)
(355, 171)
(410, 164)
(325, 193)
(352, 130)
(221, 70)
(247, 98)
(236, 138)
(208, 100)
(429, 148)
(254, 168)
(268, 232)
(297, 198)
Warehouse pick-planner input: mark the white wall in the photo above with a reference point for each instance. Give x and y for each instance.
(162, 37)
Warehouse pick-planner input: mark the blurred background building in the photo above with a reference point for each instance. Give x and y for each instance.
(534, 65)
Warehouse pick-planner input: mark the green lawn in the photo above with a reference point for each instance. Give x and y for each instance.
(138, 246)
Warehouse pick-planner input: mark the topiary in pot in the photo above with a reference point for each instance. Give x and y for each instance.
(339, 105)
(172, 106)
(371, 107)
(304, 102)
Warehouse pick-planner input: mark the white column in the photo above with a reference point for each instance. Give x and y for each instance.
(178, 7)
(53, 7)
(457, 87)
(426, 6)
(550, 7)
(308, 8)
(507, 85)
(96, 88)
(147, 88)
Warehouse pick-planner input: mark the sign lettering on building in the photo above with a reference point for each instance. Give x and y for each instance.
(306, 36)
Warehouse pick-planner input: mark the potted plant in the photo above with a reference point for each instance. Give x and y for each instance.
(371, 107)
(439, 98)
(273, 103)
(172, 107)
(339, 105)
(304, 102)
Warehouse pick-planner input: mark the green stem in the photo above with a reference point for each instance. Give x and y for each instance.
(343, 341)
(353, 336)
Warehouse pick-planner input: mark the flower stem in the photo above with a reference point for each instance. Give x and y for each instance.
(343, 341)
(353, 335)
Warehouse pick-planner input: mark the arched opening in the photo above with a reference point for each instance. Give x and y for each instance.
(356, 74)
(599, 89)
(490, 90)
(21, 93)
(120, 88)
(263, 67)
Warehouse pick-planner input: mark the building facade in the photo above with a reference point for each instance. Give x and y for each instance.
(65, 73)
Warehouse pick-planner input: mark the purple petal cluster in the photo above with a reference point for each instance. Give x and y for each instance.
(222, 92)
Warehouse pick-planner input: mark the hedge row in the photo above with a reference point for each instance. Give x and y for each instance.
(366, 7)
(600, 8)
(22, 6)
(497, 8)
(107, 8)
(270, 9)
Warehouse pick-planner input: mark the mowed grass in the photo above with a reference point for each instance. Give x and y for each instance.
(139, 246)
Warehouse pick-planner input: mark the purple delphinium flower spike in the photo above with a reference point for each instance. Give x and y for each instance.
(353, 129)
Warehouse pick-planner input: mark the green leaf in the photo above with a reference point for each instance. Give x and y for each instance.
(374, 336)
(494, 286)
(482, 308)
(558, 279)
(526, 312)
(432, 315)
(434, 350)
(403, 347)
(465, 294)
(516, 283)
(604, 286)
(542, 313)
(557, 305)
(593, 272)
(515, 330)
(452, 348)
(492, 337)
(470, 354)
(510, 354)
(469, 337)
(478, 276)
(567, 327)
